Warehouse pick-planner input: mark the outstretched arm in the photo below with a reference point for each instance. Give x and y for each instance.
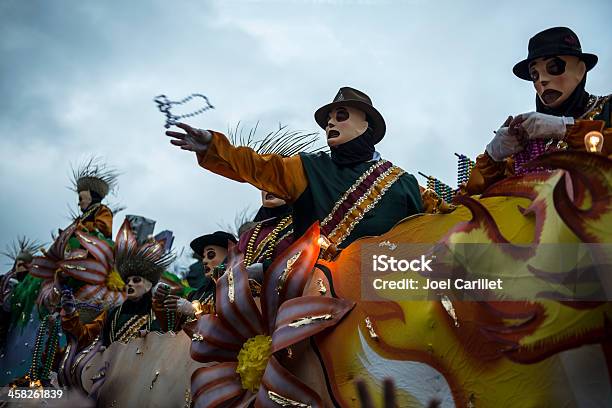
(282, 176)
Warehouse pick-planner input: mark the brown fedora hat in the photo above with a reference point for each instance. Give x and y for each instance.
(348, 96)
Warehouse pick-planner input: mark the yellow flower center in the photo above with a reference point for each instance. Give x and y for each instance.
(114, 281)
(252, 361)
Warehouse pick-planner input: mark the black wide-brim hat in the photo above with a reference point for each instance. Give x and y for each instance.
(348, 96)
(219, 238)
(550, 43)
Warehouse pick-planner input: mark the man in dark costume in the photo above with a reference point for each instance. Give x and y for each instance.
(352, 192)
(565, 111)
(140, 268)
(212, 248)
(271, 231)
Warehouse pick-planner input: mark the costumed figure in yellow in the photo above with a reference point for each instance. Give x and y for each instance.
(93, 181)
(565, 111)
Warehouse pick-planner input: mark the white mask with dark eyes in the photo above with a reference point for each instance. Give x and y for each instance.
(345, 123)
(555, 78)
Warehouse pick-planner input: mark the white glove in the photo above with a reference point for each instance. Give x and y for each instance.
(184, 307)
(503, 144)
(541, 126)
(160, 291)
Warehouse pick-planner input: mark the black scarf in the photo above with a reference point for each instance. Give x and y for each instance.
(575, 106)
(141, 306)
(358, 150)
(265, 213)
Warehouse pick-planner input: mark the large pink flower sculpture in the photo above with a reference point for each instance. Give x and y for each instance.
(243, 342)
(93, 263)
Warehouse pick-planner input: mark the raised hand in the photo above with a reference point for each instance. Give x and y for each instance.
(177, 304)
(160, 291)
(194, 140)
(184, 307)
(506, 142)
(171, 303)
(536, 125)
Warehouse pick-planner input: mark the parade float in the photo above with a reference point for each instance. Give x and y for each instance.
(313, 332)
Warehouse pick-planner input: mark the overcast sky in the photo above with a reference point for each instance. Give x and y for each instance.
(77, 78)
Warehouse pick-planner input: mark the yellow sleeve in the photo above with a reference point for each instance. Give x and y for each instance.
(104, 221)
(85, 333)
(282, 176)
(486, 172)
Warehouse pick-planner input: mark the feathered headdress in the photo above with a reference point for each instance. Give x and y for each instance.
(149, 260)
(22, 249)
(144, 261)
(94, 175)
(282, 141)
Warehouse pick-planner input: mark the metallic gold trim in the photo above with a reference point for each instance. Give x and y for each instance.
(78, 268)
(66, 353)
(322, 289)
(370, 328)
(283, 277)
(284, 401)
(89, 241)
(230, 285)
(83, 354)
(450, 309)
(395, 172)
(596, 107)
(351, 189)
(309, 320)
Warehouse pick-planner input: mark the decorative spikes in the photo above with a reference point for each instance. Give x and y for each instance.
(282, 141)
(22, 247)
(94, 175)
(145, 261)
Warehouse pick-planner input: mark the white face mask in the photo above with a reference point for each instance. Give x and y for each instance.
(555, 78)
(344, 124)
(137, 286)
(84, 199)
(269, 200)
(212, 256)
